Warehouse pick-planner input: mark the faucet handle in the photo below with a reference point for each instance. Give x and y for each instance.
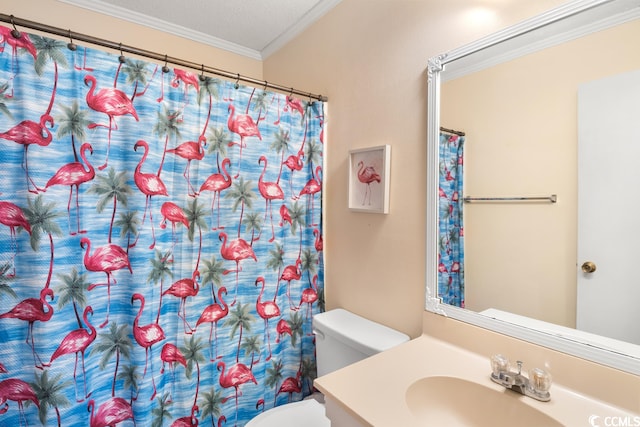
(499, 365)
(540, 381)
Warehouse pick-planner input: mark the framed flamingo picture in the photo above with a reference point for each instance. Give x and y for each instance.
(369, 170)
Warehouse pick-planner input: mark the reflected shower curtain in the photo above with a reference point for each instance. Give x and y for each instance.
(160, 241)
(450, 228)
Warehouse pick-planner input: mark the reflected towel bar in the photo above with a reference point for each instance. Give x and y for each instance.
(552, 198)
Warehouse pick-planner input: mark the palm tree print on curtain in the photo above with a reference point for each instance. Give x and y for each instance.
(451, 227)
(160, 241)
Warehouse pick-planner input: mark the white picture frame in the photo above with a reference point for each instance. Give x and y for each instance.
(369, 173)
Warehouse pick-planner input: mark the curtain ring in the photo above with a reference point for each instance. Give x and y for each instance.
(266, 83)
(202, 77)
(165, 67)
(290, 97)
(71, 45)
(237, 84)
(14, 33)
(122, 58)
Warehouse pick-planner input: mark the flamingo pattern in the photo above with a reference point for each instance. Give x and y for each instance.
(113, 103)
(27, 133)
(164, 208)
(106, 259)
(73, 174)
(76, 342)
(31, 310)
(19, 391)
(216, 183)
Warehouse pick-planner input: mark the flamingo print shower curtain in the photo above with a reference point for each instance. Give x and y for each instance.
(160, 241)
(450, 224)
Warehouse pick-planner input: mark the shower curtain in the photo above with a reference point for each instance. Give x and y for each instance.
(450, 228)
(160, 241)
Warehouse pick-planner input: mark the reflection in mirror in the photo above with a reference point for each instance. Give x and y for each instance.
(532, 102)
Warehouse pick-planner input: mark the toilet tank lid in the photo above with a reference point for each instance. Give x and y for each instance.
(368, 336)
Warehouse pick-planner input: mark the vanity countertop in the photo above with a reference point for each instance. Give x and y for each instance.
(373, 390)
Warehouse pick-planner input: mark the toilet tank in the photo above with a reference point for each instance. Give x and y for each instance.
(343, 338)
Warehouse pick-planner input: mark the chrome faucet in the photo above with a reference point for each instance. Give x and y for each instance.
(536, 385)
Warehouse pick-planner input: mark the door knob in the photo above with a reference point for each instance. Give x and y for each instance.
(588, 267)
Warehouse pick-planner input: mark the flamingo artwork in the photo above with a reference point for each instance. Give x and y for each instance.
(105, 259)
(270, 191)
(294, 104)
(283, 328)
(189, 151)
(171, 354)
(235, 376)
(186, 77)
(113, 411)
(319, 242)
(266, 310)
(146, 336)
(309, 296)
(313, 186)
(191, 421)
(16, 40)
(76, 342)
(294, 163)
(13, 217)
(244, 126)
(183, 289)
(235, 250)
(367, 175)
(216, 183)
(32, 310)
(290, 273)
(27, 133)
(18, 391)
(149, 184)
(175, 215)
(285, 216)
(112, 102)
(291, 385)
(73, 174)
(213, 314)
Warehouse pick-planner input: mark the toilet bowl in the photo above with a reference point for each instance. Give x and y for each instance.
(342, 338)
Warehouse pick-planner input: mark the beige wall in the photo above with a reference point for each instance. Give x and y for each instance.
(521, 124)
(369, 57)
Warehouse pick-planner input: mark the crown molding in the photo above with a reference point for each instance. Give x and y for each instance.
(305, 22)
(498, 48)
(164, 26)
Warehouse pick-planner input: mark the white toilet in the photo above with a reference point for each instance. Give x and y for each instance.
(342, 338)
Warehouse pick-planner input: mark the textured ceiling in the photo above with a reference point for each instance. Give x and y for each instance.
(253, 28)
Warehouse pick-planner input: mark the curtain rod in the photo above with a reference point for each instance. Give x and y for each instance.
(71, 35)
(455, 132)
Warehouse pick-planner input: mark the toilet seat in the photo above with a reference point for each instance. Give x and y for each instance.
(308, 412)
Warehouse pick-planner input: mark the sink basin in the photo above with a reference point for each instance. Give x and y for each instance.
(451, 401)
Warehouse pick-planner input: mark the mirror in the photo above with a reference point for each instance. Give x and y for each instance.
(526, 287)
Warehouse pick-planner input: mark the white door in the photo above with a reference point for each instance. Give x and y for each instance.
(609, 207)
